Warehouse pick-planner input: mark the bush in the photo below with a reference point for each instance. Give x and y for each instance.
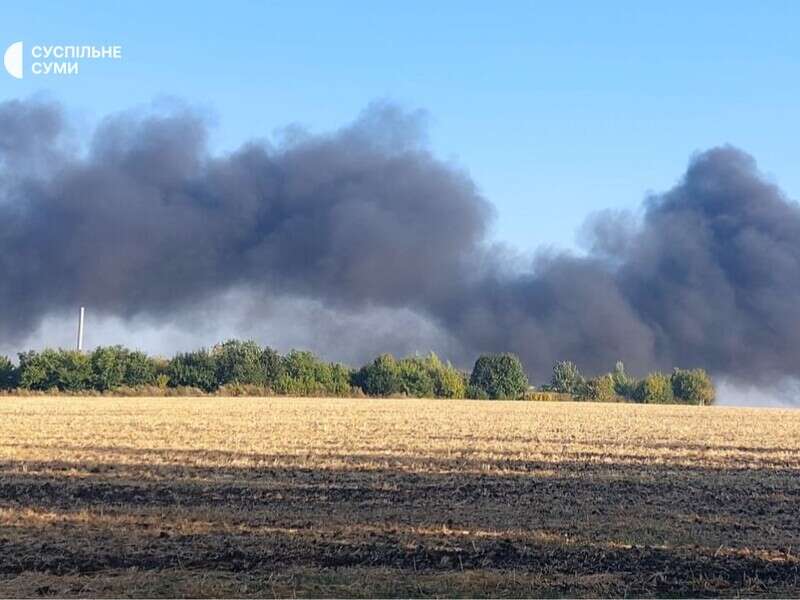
(37, 371)
(156, 391)
(337, 377)
(8, 374)
(239, 362)
(624, 384)
(272, 363)
(498, 376)
(656, 388)
(65, 370)
(303, 374)
(142, 370)
(534, 395)
(115, 366)
(448, 382)
(692, 387)
(419, 377)
(475, 392)
(193, 369)
(599, 389)
(243, 389)
(108, 367)
(567, 379)
(380, 377)
(75, 372)
(414, 379)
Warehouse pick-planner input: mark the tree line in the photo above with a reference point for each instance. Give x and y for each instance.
(244, 367)
(682, 386)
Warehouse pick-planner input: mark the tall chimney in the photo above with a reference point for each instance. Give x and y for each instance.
(80, 329)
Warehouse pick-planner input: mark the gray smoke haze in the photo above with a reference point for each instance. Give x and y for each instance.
(362, 238)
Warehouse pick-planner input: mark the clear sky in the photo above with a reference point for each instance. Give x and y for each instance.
(555, 108)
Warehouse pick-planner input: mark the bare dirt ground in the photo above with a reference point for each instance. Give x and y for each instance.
(332, 497)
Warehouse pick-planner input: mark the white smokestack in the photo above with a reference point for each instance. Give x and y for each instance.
(80, 329)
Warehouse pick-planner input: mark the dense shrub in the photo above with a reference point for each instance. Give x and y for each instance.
(115, 366)
(567, 379)
(624, 384)
(380, 377)
(476, 392)
(193, 369)
(37, 370)
(599, 389)
(414, 379)
(692, 387)
(161, 369)
(65, 370)
(498, 376)
(108, 367)
(656, 388)
(448, 382)
(239, 362)
(154, 391)
(8, 374)
(419, 377)
(534, 395)
(141, 370)
(244, 389)
(272, 363)
(303, 374)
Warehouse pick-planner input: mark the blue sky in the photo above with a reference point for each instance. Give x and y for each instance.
(556, 109)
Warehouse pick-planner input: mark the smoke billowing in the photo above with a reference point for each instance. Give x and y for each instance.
(146, 224)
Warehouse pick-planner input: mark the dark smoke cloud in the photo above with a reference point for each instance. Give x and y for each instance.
(715, 271)
(147, 224)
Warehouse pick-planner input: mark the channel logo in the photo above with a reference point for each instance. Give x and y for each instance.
(56, 59)
(12, 60)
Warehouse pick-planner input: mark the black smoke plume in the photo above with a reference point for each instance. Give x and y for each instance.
(146, 222)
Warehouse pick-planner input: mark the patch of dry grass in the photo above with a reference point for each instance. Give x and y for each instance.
(320, 497)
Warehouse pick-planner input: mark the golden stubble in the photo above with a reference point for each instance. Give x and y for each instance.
(414, 497)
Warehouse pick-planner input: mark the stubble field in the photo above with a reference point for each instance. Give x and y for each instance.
(332, 497)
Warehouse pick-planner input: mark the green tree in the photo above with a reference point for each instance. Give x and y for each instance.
(272, 363)
(239, 362)
(66, 370)
(338, 377)
(567, 379)
(304, 374)
(599, 389)
(498, 376)
(36, 370)
(656, 388)
(116, 366)
(140, 369)
(75, 371)
(693, 387)
(448, 382)
(108, 367)
(193, 369)
(8, 374)
(624, 384)
(414, 378)
(381, 377)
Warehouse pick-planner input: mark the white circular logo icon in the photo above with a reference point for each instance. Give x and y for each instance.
(13, 60)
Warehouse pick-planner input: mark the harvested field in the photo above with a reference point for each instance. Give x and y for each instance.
(331, 497)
